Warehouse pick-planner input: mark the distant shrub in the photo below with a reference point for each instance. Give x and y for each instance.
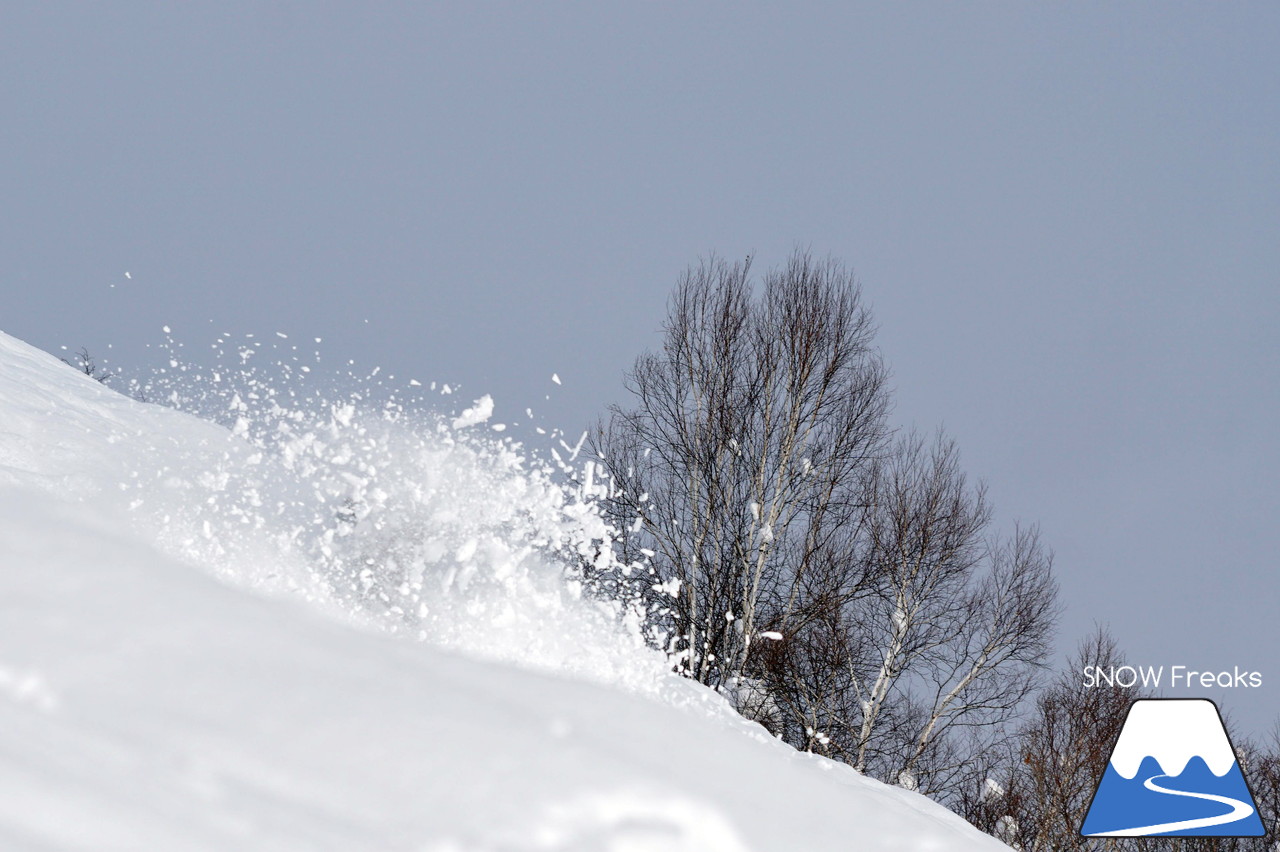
(86, 364)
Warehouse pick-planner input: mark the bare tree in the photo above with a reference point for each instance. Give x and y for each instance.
(86, 364)
(742, 466)
(843, 585)
(920, 672)
(1046, 782)
(1261, 763)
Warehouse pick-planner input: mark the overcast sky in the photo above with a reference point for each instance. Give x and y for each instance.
(1066, 217)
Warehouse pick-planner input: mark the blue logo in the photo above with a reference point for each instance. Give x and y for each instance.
(1173, 772)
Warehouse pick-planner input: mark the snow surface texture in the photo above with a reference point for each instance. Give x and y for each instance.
(182, 668)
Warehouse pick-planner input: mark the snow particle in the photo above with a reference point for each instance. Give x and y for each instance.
(479, 412)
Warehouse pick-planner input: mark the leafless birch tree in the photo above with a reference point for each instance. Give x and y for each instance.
(842, 584)
(742, 467)
(1046, 780)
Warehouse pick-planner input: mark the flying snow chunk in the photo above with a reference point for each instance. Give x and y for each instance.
(481, 411)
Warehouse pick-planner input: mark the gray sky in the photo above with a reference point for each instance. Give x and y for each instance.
(1066, 216)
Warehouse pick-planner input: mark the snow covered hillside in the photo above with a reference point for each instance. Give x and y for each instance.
(190, 659)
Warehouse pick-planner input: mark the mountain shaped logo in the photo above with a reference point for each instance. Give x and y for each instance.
(1173, 772)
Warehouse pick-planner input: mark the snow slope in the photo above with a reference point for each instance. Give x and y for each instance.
(180, 673)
